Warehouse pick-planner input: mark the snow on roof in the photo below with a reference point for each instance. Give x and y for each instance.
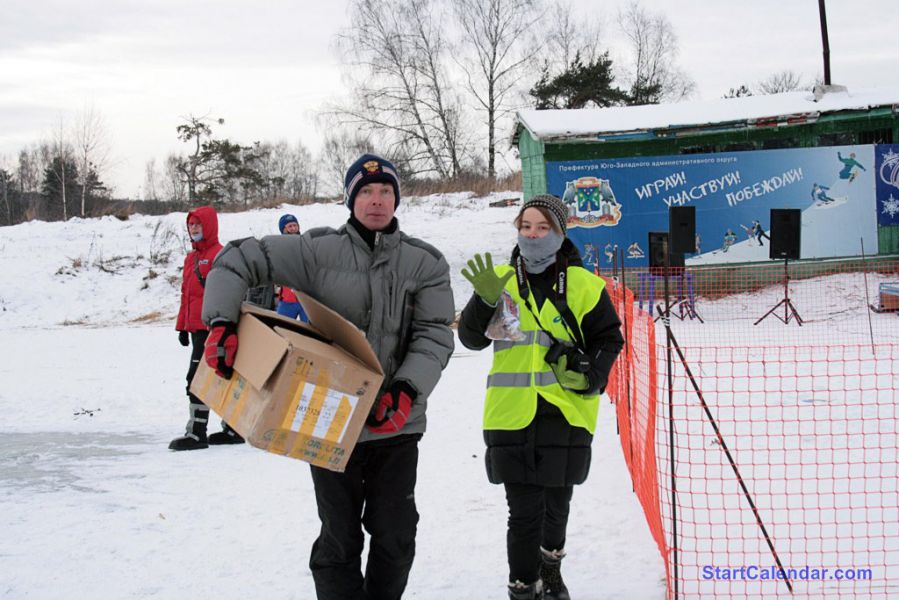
(615, 121)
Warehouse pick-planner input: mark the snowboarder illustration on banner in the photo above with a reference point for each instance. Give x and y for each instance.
(698, 244)
(848, 165)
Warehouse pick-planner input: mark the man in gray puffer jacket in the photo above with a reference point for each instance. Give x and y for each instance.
(396, 289)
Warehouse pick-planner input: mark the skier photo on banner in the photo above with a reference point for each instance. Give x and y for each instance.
(848, 164)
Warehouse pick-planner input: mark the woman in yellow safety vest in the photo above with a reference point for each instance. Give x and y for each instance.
(552, 355)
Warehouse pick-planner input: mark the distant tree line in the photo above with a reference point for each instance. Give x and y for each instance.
(223, 173)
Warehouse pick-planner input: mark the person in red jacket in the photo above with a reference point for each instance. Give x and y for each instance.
(202, 225)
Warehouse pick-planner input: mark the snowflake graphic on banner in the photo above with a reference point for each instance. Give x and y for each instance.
(891, 207)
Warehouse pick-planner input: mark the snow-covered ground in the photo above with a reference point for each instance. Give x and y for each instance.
(94, 505)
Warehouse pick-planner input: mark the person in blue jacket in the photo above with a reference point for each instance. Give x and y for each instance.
(287, 302)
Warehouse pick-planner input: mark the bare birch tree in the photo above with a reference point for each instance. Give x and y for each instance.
(496, 34)
(5, 184)
(59, 156)
(567, 36)
(396, 52)
(151, 181)
(339, 150)
(654, 75)
(92, 150)
(174, 184)
(289, 171)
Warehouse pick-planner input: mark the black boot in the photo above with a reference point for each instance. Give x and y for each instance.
(189, 442)
(550, 572)
(226, 436)
(521, 591)
(194, 437)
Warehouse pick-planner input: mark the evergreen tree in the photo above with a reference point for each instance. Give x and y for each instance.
(219, 170)
(58, 188)
(581, 85)
(6, 192)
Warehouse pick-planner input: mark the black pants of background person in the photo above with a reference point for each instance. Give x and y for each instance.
(197, 344)
(377, 491)
(538, 516)
(199, 413)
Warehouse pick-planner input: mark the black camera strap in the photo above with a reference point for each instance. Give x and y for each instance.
(559, 300)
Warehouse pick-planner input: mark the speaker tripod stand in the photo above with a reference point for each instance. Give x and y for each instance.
(789, 311)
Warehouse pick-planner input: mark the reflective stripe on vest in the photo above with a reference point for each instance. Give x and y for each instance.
(542, 339)
(519, 372)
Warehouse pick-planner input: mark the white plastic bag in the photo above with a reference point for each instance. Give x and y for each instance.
(505, 323)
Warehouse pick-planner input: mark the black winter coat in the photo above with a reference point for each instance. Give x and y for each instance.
(549, 451)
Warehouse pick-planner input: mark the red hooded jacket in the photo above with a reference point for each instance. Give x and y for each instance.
(189, 316)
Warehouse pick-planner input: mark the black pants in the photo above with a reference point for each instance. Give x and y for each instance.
(376, 491)
(538, 516)
(197, 344)
(199, 413)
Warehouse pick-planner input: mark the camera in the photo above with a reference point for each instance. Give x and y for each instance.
(576, 360)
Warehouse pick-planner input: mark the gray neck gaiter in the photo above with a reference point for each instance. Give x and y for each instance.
(539, 253)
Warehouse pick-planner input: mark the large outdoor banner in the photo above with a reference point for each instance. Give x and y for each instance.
(887, 169)
(617, 202)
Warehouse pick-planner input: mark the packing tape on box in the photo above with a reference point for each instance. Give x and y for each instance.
(213, 403)
(317, 410)
(239, 389)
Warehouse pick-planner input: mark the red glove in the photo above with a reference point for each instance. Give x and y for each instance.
(392, 409)
(221, 346)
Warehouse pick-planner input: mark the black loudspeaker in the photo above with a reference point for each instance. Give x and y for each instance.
(786, 225)
(658, 241)
(682, 227)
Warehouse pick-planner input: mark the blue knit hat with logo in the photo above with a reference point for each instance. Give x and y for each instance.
(369, 168)
(284, 220)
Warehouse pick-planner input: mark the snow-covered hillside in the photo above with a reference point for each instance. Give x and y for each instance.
(106, 271)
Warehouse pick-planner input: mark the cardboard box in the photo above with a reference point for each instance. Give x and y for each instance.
(298, 390)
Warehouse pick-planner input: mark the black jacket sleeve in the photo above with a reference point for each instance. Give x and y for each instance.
(473, 323)
(602, 335)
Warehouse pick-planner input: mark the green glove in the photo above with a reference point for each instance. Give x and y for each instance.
(484, 279)
(570, 380)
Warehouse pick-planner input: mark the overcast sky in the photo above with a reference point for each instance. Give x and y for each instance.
(267, 66)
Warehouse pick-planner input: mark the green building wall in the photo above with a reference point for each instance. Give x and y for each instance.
(533, 165)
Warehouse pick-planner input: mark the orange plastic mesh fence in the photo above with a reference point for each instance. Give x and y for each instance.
(766, 461)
